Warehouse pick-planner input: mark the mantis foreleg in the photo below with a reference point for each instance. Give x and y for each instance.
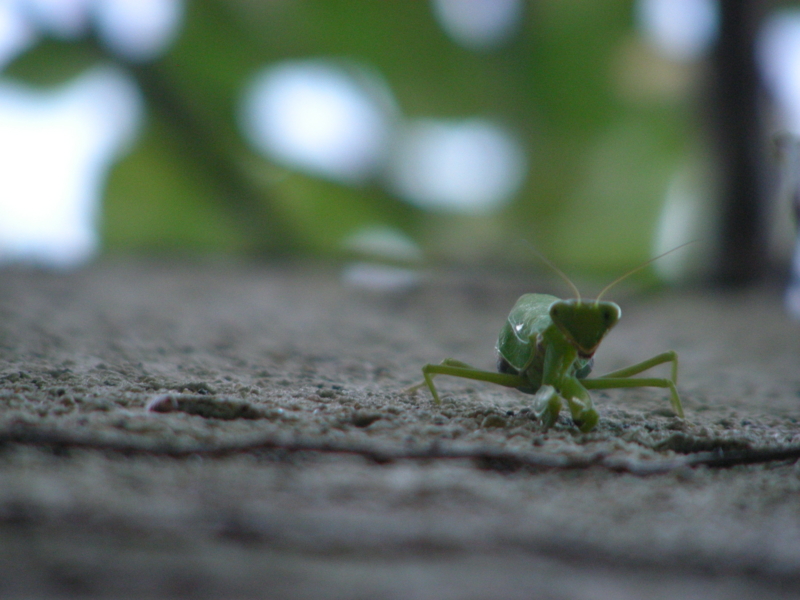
(580, 403)
(547, 405)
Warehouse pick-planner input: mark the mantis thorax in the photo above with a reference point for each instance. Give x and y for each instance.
(584, 324)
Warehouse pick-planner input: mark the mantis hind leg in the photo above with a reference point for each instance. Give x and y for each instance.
(664, 357)
(456, 368)
(621, 378)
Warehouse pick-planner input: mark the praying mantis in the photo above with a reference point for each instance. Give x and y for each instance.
(546, 348)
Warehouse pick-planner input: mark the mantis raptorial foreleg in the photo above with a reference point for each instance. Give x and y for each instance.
(456, 368)
(547, 405)
(580, 403)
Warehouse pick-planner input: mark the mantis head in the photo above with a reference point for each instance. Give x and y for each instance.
(584, 324)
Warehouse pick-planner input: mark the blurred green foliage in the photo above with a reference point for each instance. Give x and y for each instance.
(600, 155)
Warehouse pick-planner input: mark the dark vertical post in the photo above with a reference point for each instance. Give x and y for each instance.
(735, 116)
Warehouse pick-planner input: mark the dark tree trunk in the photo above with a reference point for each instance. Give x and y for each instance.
(739, 139)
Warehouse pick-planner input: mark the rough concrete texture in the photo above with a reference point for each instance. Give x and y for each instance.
(281, 458)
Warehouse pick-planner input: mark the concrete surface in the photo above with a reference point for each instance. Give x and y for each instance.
(289, 462)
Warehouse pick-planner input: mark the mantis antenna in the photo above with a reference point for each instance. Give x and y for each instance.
(558, 271)
(635, 269)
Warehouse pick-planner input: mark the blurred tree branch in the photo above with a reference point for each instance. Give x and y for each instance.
(249, 203)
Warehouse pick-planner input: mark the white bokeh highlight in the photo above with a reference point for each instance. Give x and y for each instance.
(56, 146)
(470, 167)
(778, 55)
(320, 116)
(375, 277)
(791, 297)
(379, 241)
(66, 19)
(16, 33)
(55, 151)
(138, 30)
(479, 24)
(687, 215)
(681, 30)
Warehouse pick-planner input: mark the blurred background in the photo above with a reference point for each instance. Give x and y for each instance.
(460, 131)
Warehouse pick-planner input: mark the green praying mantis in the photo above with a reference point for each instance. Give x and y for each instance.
(546, 348)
